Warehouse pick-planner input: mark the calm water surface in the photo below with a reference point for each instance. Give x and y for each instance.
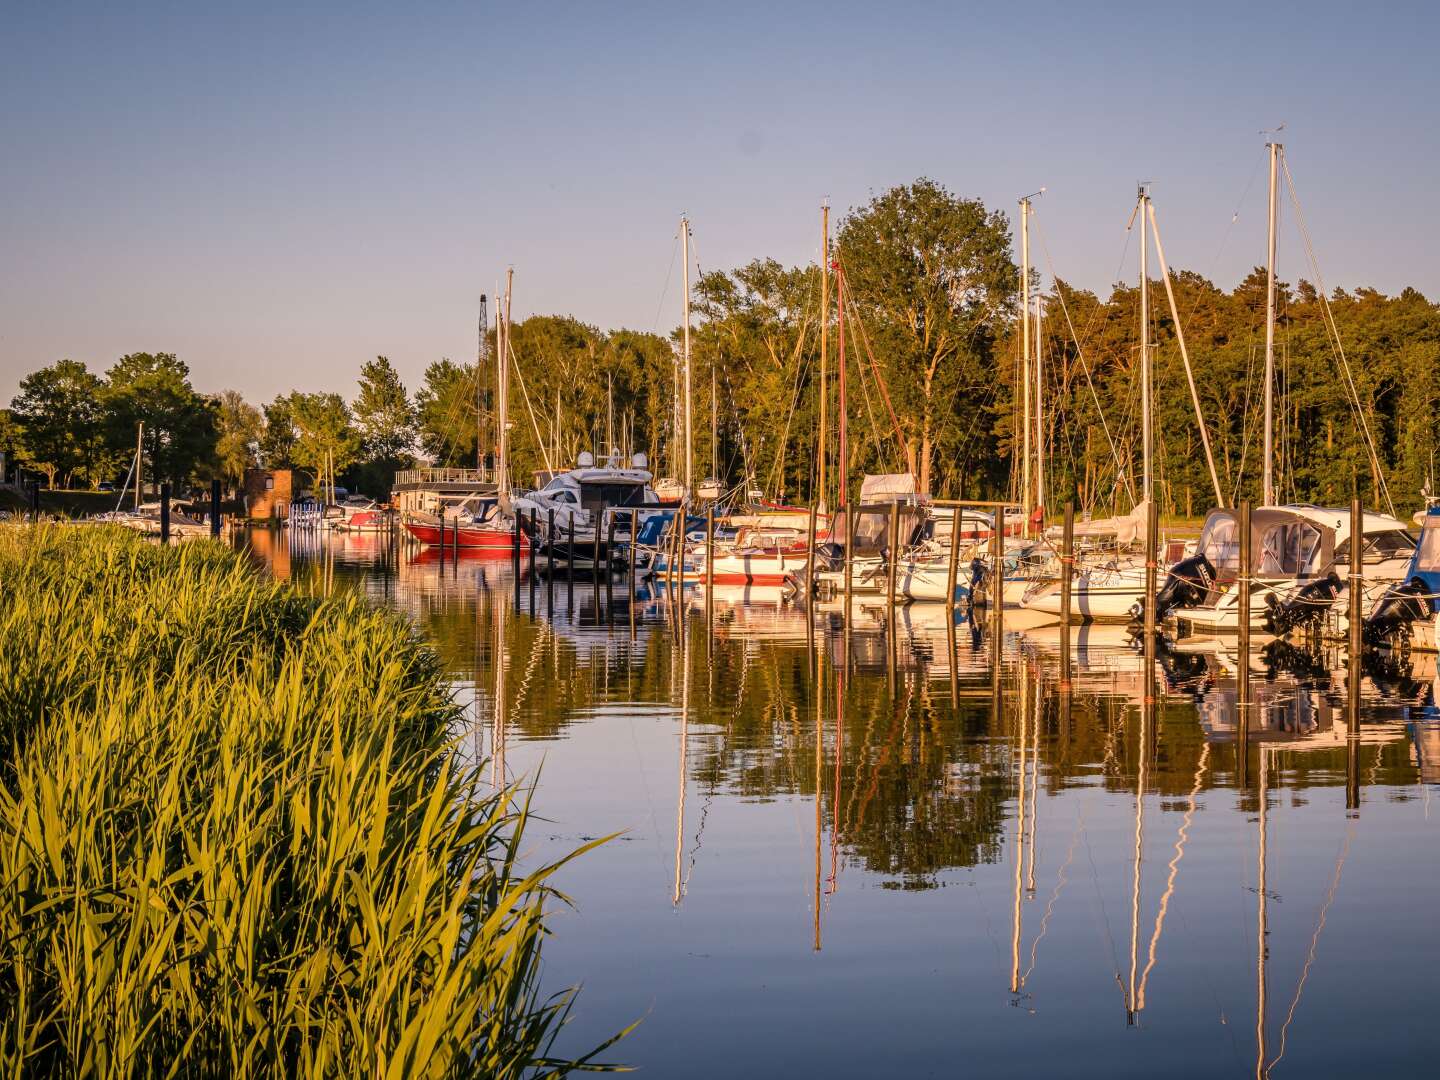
(859, 855)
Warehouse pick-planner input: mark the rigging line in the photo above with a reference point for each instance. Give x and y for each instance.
(1225, 237)
(1336, 344)
(1314, 943)
(544, 450)
(1100, 903)
(665, 292)
(1060, 882)
(1181, 837)
(856, 321)
(1080, 353)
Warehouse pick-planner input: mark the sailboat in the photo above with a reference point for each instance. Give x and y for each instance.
(1297, 550)
(480, 525)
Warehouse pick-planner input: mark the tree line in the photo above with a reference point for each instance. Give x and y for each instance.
(923, 298)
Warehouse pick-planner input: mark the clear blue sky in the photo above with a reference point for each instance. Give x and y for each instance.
(279, 193)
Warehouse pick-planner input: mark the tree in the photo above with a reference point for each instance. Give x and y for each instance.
(9, 443)
(58, 413)
(239, 428)
(383, 414)
(277, 440)
(180, 425)
(932, 278)
(326, 436)
(447, 413)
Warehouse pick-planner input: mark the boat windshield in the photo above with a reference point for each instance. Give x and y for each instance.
(1290, 549)
(1428, 558)
(598, 496)
(1221, 545)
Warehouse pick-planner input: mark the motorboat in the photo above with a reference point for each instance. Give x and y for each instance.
(1298, 558)
(1407, 616)
(575, 516)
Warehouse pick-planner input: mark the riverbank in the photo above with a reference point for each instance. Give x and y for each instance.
(237, 838)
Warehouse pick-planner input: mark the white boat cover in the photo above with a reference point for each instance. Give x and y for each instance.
(887, 487)
(1127, 528)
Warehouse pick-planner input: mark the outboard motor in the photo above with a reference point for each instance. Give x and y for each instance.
(979, 576)
(1187, 585)
(1305, 609)
(1397, 609)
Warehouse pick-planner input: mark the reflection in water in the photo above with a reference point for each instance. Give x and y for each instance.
(904, 756)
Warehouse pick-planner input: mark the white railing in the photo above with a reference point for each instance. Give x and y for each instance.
(443, 476)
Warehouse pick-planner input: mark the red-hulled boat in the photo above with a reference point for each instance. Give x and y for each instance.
(484, 532)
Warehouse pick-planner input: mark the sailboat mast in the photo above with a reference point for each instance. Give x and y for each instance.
(1147, 428)
(1268, 456)
(842, 461)
(1039, 416)
(689, 404)
(139, 460)
(502, 377)
(714, 424)
(1025, 360)
(480, 440)
(824, 348)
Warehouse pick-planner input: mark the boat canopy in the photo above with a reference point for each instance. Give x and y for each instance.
(1282, 544)
(1426, 564)
(888, 487)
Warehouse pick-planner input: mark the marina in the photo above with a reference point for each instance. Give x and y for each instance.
(747, 541)
(924, 843)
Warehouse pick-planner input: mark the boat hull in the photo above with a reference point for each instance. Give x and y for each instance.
(478, 539)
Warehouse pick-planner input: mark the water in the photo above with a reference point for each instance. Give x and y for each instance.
(845, 862)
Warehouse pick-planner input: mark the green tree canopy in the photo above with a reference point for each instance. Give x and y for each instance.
(277, 440)
(383, 414)
(448, 414)
(326, 434)
(240, 429)
(932, 280)
(58, 412)
(180, 425)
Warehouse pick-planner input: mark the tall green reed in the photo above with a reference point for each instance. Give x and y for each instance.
(234, 839)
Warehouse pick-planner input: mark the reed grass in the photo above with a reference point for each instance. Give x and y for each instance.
(234, 839)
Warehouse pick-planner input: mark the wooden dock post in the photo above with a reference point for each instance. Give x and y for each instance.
(595, 554)
(849, 557)
(165, 513)
(630, 571)
(1353, 672)
(894, 566)
(530, 537)
(1242, 648)
(215, 507)
(709, 552)
(570, 550)
(609, 562)
(1152, 544)
(952, 570)
(35, 502)
(1067, 574)
(997, 577)
(810, 580)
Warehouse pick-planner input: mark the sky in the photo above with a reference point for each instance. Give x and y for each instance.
(279, 193)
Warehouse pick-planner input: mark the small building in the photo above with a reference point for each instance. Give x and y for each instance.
(268, 493)
(433, 490)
